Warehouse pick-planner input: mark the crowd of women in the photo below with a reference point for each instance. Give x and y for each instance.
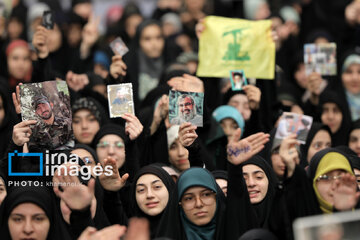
(226, 180)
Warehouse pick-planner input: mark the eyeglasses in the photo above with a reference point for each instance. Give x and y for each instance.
(326, 178)
(88, 160)
(105, 144)
(357, 178)
(207, 197)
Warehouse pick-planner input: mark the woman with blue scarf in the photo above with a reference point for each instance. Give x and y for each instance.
(198, 208)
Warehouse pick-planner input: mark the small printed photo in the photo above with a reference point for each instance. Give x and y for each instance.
(335, 226)
(237, 79)
(320, 58)
(49, 104)
(120, 99)
(118, 47)
(186, 107)
(294, 123)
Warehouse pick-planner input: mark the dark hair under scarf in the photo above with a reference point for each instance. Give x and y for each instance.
(169, 184)
(89, 103)
(304, 148)
(263, 208)
(40, 196)
(341, 136)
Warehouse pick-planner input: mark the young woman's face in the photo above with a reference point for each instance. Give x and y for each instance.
(222, 184)
(111, 145)
(278, 164)
(331, 116)
(2, 111)
(354, 141)
(85, 126)
(85, 156)
(321, 140)
(351, 78)
(326, 187)
(229, 126)
(256, 181)
(132, 23)
(152, 41)
(179, 156)
(19, 62)
(199, 205)
(241, 103)
(151, 194)
(3, 191)
(28, 221)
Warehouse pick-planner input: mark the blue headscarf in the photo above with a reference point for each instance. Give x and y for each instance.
(191, 178)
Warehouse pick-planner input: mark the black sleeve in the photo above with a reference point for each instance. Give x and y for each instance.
(240, 215)
(300, 197)
(198, 156)
(79, 221)
(114, 209)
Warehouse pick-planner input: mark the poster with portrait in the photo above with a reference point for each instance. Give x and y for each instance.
(335, 226)
(238, 80)
(320, 58)
(120, 99)
(118, 47)
(293, 123)
(49, 104)
(186, 107)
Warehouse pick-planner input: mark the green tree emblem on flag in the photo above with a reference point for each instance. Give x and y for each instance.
(233, 51)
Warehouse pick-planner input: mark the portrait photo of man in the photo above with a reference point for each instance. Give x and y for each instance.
(187, 112)
(237, 79)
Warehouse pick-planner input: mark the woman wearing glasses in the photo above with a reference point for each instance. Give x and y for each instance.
(198, 209)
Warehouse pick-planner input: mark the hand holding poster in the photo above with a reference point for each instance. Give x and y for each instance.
(120, 98)
(228, 44)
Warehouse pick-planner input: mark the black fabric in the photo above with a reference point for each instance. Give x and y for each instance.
(351, 155)
(220, 174)
(41, 197)
(258, 234)
(10, 119)
(341, 136)
(89, 149)
(315, 128)
(169, 184)
(93, 106)
(263, 208)
(106, 129)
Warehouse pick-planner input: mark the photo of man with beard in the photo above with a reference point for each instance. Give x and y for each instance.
(187, 112)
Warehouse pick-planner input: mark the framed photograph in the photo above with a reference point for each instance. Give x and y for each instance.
(49, 104)
(293, 123)
(118, 47)
(320, 58)
(186, 107)
(120, 99)
(336, 226)
(237, 79)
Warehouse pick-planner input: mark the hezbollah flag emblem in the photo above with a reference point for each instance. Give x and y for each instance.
(227, 44)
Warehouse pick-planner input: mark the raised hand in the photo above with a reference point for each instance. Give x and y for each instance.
(314, 82)
(117, 67)
(187, 134)
(288, 153)
(133, 126)
(76, 195)
(90, 35)
(113, 232)
(112, 182)
(186, 83)
(16, 99)
(76, 81)
(22, 132)
(253, 93)
(138, 229)
(238, 151)
(200, 28)
(161, 112)
(345, 192)
(40, 41)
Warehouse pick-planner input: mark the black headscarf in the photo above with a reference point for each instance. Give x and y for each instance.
(89, 103)
(40, 196)
(169, 184)
(9, 120)
(341, 136)
(258, 234)
(351, 155)
(304, 148)
(263, 208)
(220, 174)
(89, 149)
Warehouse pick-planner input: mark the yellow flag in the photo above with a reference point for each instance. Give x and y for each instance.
(230, 44)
